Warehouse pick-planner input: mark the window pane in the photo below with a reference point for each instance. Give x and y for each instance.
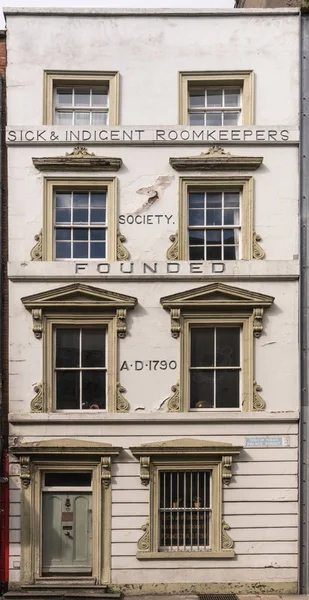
(230, 118)
(63, 234)
(196, 98)
(63, 249)
(214, 199)
(231, 253)
(231, 216)
(82, 97)
(214, 97)
(229, 236)
(63, 215)
(80, 199)
(99, 118)
(93, 347)
(227, 389)
(82, 118)
(231, 199)
(197, 119)
(97, 215)
(196, 237)
(196, 217)
(214, 253)
(67, 390)
(100, 96)
(227, 351)
(98, 199)
(64, 96)
(80, 250)
(202, 347)
(213, 217)
(231, 97)
(98, 250)
(80, 234)
(67, 347)
(197, 253)
(67, 479)
(64, 118)
(94, 389)
(214, 119)
(97, 234)
(202, 389)
(63, 200)
(80, 215)
(196, 199)
(213, 236)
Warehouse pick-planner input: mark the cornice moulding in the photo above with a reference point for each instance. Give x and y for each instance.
(216, 159)
(65, 446)
(185, 447)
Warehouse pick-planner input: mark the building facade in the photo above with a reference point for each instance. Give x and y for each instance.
(268, 3)
(153, 305)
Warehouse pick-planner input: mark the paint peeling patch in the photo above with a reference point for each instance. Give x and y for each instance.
(154, 192)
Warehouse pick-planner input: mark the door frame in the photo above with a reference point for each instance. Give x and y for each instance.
(31, 546)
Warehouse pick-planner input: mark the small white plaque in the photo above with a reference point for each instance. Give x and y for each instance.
(267, 441)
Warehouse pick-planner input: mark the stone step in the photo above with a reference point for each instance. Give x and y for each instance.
(69, 592)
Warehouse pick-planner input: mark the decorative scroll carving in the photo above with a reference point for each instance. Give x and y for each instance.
(216, 159)
(226, 469)
(173, 403)
(79, 159)
(173, 251)
(145, 469)
(257, 251)
(258, 401)
(144, 541)
(37, 402)
(257, 322)
(37, 322)
(121, 322)
(25, 474)
(122, 252)
(122, 405)
(175, 322)
(106, 473)
(36, 252)
(80, 151)
(226, 541)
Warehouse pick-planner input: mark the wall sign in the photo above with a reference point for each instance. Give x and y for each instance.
(148, 268)
(267, 441)
(149, 136)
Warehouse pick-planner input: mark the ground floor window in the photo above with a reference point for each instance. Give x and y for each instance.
(185, 510)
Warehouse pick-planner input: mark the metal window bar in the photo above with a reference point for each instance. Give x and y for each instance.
(72, 108)
(236, 227)
(75, 225)
(184, 511)
(80, 369)
(215, 368)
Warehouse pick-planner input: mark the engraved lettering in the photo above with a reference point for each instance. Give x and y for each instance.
(150, 268)
(80, 267)
(103, 268)
(196, 267)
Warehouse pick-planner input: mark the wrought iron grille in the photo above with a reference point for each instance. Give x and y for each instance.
(185, 511)
(218, 597)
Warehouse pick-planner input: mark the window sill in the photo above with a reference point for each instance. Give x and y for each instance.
(181, 555)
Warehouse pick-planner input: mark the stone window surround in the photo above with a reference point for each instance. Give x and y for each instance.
(212, 78)
(54, 78)
(185, 454)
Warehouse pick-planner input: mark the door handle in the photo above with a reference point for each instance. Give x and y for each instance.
(67, 533)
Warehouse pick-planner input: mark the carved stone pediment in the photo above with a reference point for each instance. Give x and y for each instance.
(80, 159)
(216, 295)
(78, 295)
(216, 159)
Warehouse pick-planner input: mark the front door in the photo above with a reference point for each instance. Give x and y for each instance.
(66, 526)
